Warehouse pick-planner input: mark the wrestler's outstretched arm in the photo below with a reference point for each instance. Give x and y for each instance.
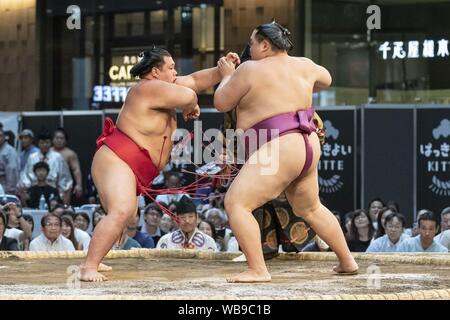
(234, 84)
(206, 78)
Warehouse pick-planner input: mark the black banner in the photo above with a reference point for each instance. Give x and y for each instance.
(433, 160)
(337, 169)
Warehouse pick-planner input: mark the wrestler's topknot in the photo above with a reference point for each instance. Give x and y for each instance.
(149, 59)
(276, 34)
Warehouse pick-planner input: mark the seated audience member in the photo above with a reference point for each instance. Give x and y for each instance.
(144, 240)
(444, 239)
(445, 223)
(424, 242)
(68, 231)
(82, 237)
(17, 228)
(394, 224)
(41, 188)
(152, 219)
(361, 231)
(188, 236)
(125, 242)
(6, 243)
(167, 224)
(381, 231)
(208, 228)
(81, 221)
(51, 238)
(97, 216)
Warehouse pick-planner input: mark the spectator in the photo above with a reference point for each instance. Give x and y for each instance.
(9, 165)
(172, 181)
(42, 188)
(27, 147)
(144, 240)
(30, 220)
(381, 221)
(82, 221)
(424, 242)
(444, 239)
(395, 224)
(59, 175)
(83, 238)
(415, 228)
(208, 228)
(99, 214)
(166, 225)
(17, 228)
(2, 191)
(51, 238)
(188, 236)
(445, 223)
(318, 245)
(60, 140)
(347, 223)
(361, 231)
(219, 220)
(68, 231)
(394, 206)
(125, 242)
(152, 218)
(374, 207)
(6, 243)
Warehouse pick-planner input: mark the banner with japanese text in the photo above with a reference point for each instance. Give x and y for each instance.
(433, 161)
(337, 165)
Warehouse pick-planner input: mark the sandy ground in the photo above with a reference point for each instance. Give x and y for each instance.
(172, 278)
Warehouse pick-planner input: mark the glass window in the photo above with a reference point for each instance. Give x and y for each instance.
(158, 21)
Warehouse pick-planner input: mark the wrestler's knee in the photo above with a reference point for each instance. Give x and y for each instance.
(122, 214)
(307, 212)
(234, 204)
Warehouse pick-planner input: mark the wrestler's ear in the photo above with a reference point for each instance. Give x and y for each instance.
(155, 72)
(265, 45)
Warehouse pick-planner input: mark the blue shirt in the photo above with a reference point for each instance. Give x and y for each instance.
(144, 240)
(129, 244)
(415, 245)
(24, 154)
(384, 244)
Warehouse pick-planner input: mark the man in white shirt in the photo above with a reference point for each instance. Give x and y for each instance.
(188, 236)
(51, 238)
(59, 176)
(424, 242)
(444, 239)
(445, 223)
(395, 223)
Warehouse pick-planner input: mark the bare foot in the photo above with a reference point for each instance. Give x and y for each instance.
(103, 268)
(90, 275)
(346, 269)
(251, 276)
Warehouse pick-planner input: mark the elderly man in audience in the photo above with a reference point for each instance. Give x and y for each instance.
(188, 236)
(51, 238)
(424, 242)
(394, 225)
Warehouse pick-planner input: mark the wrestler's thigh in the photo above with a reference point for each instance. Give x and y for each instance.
(258, 182)
(303, 192)
(115, 182)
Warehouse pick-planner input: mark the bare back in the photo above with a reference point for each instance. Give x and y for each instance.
(278, 84)
(148, 126)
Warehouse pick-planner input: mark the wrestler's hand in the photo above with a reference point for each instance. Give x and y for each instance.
(233, 58)
(226, 68)
(78, 191)
(191, 114)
